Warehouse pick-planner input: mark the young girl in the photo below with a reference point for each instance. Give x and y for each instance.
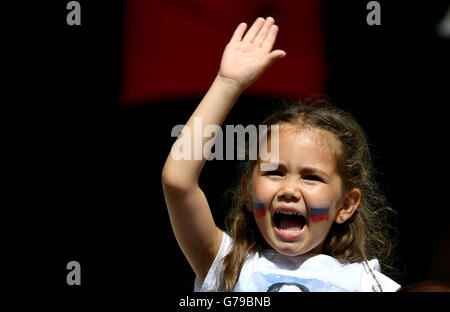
(310, 224)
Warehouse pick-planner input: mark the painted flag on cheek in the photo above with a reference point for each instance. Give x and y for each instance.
(259, 210)
(319, 214)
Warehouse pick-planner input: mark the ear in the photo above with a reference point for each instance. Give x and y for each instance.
(245, 195)
(351, 203)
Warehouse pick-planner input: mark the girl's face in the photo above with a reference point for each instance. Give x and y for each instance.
(295, 205)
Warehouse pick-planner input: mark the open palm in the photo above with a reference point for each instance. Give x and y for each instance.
(247, 57)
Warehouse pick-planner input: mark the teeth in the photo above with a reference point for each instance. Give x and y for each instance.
(290, 231)
(288, 213)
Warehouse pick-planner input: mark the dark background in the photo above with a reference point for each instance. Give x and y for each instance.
(92, 170)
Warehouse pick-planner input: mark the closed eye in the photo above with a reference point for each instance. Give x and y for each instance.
(274, 173)
(312, 177)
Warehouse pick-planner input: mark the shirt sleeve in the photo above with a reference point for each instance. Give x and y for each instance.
(214, 276)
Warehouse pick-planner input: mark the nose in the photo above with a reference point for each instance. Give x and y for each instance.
(290, 192)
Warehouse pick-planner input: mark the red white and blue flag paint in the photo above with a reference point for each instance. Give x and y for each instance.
(259, 210)
(319, 214)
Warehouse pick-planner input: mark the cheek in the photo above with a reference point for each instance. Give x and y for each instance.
(319, 213)
(259, 209)
(321, 204)
(319, 210)
(263, 192)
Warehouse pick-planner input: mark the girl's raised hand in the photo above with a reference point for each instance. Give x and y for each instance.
(247, 57)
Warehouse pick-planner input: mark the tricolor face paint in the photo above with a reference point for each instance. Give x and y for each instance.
(319, 214)
(259, 210)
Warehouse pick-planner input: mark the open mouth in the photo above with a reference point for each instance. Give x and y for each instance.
(288, 221)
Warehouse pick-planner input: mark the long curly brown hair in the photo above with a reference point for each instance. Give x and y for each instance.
(366, 235)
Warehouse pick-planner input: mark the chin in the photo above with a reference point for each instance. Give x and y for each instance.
(290, 251)
(296, 249)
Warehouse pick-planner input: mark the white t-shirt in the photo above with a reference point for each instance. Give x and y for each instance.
(271, 271)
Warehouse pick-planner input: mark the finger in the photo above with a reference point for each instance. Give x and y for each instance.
(239, 32)
(272, 57)
(277, 54)
(269, 41)
(264, 31)
(253, 31)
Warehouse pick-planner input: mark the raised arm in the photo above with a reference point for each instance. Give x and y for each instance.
(245, 58)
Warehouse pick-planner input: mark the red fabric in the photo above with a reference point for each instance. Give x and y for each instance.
(172, 49)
